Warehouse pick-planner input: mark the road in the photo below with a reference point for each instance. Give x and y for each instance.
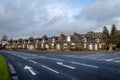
(39, 66)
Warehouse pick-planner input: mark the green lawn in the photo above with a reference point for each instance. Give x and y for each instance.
(4, 70)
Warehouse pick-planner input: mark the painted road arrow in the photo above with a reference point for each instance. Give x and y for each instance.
(30, 70)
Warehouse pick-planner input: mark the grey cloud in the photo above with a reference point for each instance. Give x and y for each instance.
(21, 15)
(102, 11)
(62, 24)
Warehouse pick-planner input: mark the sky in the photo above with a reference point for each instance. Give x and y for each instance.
(25, 18)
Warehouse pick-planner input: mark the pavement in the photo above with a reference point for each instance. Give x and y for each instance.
(39, 66)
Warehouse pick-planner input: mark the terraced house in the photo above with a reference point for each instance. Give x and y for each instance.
(74, 42)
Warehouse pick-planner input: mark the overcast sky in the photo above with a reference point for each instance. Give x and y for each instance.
(25, 18)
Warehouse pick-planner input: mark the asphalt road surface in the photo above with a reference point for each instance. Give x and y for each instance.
(36, 66)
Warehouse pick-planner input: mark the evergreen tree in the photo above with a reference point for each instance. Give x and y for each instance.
(113, 30)
(105, 37)
(118, 45)
(113, 36)
(105, 34)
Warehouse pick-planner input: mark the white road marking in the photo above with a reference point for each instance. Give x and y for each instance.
(113, 59)
(30, 70)
(42, 56)
(117, 61)
(61, 63)
(56, 59)
(23, 57)
(18, 55)
(85, 64)
(32, 61)
(108, 60)
(50, 69)
(51, 58)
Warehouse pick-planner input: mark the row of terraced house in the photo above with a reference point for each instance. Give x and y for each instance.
(74, 42)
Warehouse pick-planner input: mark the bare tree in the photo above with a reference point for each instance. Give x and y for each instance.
(4, 38)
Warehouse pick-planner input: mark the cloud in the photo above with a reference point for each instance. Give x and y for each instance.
(103, 12)
(24, 18)
(21, 16)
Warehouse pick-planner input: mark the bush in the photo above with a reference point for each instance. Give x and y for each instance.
(118, 45)
(106, 47)
(113, 48)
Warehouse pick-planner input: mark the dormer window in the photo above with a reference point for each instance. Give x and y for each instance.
(43, 41)
(29, 41)
(53, 40)
(37, 41)
(68, 38)
(25, 42)
(18, 42)
(98, 40)
(85, 39)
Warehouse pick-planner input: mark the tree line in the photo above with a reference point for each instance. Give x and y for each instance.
(111, 37)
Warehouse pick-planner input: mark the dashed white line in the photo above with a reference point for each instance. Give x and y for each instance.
(115, 58)
(51, 58)
(56, 59)
(61, 63)
(32, 61)
(23, 57)
(117, 61)
(34, 55)
(50, 69)
(42, 56)
(108, 60)
(85, 64)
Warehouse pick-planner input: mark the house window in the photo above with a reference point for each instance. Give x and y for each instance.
(85, 45)
(42, 45)
(52, 45)
(47, 46)
(100, 45)
(36, 46)
(96, 47)
(27, 46)
(65, 45)
(58, 46)
(31, 47)
(91, 47)
(72, 45)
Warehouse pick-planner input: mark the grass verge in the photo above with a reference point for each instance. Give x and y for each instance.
(4, 70)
